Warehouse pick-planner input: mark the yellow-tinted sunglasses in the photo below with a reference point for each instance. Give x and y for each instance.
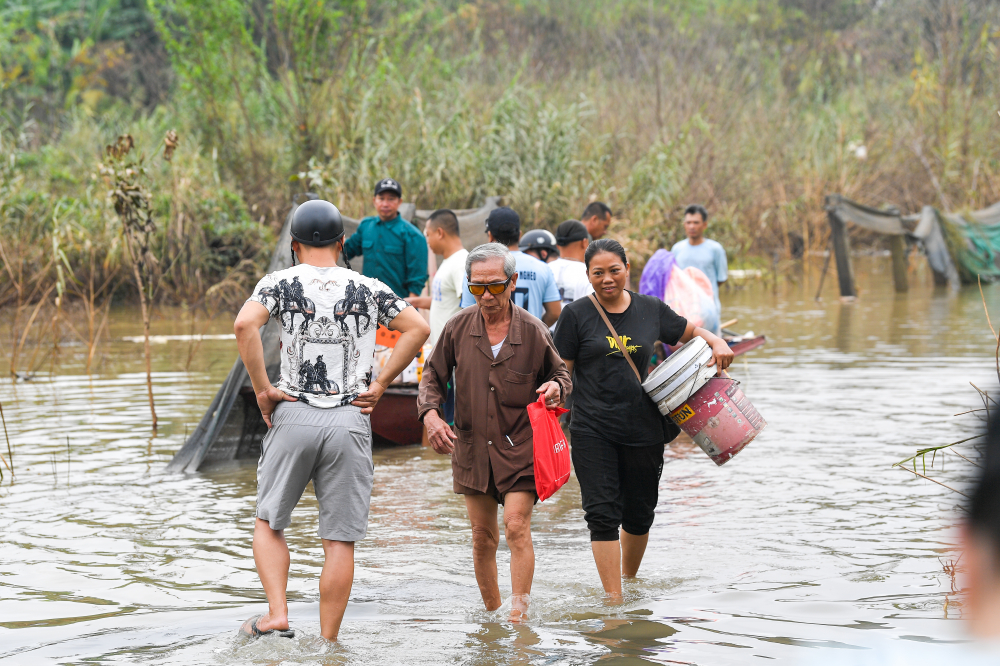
(495, 288)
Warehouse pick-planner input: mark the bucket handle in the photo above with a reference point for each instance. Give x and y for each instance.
(698, 367)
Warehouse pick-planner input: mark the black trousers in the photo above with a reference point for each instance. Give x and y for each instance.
(619, 485)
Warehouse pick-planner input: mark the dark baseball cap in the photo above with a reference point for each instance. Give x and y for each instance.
(388, 185)
(503, 222)
(570, 231)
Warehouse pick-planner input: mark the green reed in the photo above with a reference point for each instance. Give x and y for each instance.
(757, 111)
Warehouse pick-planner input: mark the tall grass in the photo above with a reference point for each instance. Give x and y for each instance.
(62, 245)
(755, 109)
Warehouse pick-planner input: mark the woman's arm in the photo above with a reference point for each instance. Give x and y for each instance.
(722, 353)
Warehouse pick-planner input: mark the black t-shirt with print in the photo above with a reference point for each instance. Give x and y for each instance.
(608, 401)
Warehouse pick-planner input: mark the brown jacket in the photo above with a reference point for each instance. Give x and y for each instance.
(491, 395)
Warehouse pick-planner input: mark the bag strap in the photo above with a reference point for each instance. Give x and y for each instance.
(618, 341)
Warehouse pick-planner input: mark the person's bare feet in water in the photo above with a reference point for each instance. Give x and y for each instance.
(259, 625)
(519, 607)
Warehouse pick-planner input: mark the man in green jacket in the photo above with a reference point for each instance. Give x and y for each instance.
(395, 251)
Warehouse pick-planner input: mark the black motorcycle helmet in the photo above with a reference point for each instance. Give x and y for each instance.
(539, 239)
(317, 223)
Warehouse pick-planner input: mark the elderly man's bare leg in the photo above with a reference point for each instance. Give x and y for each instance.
(335, 586)
(485, 539)
(482, 511)
(270, 554)
(517, 531)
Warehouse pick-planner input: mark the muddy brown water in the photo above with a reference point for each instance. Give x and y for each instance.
(808, 542)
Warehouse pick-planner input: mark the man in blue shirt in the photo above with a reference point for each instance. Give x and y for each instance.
(395, 251)
(536, 289)
(700, 252)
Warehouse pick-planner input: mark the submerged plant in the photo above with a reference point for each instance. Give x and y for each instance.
(910, 464)
(10, 452)
(125, 174)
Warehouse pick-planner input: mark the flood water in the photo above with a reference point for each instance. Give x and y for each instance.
(807, 542)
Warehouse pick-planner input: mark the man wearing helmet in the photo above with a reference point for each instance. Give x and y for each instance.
(541, 244)
(395, 251)
(317, 415)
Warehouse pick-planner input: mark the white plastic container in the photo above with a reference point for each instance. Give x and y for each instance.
(680, 376)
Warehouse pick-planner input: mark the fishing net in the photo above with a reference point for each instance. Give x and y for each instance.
(960, 247)
(975, 244)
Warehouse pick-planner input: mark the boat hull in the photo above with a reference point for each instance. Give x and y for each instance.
(749, 344)
(394, 420)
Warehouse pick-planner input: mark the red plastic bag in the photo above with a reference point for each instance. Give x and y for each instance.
(551, 448)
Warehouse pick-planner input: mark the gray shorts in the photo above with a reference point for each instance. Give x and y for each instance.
(330, 447)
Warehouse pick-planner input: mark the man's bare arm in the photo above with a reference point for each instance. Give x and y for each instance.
(423, 302)
(552, 311)
(252, 316)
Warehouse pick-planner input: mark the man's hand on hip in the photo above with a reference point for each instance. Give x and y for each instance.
(367, 400)
(439, 433)
(268, 399)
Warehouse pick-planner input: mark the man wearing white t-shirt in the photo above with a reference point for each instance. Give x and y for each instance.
(443, 238)
(563, 253)
(570, 269)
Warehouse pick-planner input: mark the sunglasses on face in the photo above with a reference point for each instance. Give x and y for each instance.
(495, 288)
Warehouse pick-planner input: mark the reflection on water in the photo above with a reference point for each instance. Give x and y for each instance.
(808, 541)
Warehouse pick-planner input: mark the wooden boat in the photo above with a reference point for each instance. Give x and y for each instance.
(743, 345)
(394, 420)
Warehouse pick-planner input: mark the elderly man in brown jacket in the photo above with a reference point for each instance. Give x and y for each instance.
(502, 357)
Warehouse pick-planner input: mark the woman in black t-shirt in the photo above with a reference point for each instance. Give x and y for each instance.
(618, 434)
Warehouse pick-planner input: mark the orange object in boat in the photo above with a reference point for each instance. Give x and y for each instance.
(385, 337)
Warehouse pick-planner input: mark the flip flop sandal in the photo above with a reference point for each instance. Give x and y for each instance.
(256, 633)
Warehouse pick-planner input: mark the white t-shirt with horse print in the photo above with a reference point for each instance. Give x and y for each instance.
(328, 317)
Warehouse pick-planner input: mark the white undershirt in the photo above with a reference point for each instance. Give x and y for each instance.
(497, 346)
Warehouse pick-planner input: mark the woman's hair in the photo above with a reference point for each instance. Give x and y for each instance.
(604, 245)
(488, 251)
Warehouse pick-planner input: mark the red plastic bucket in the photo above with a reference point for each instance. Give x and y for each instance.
(719, 418)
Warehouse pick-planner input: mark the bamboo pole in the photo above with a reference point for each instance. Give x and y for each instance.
(842, 253)
(897, 246)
